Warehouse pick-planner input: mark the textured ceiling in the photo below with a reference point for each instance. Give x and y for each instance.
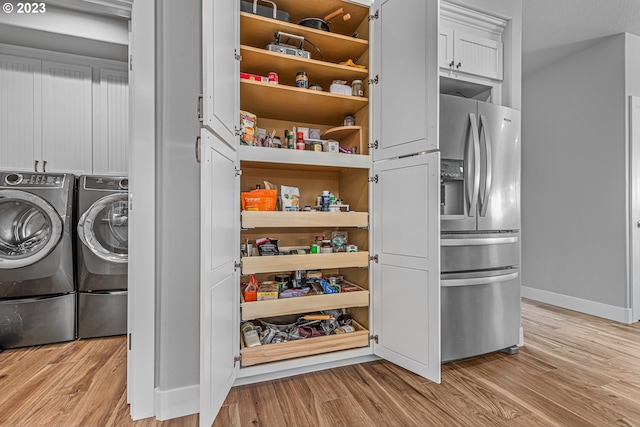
(553, 29)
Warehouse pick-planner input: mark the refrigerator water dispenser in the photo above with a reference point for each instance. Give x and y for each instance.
(451, 187)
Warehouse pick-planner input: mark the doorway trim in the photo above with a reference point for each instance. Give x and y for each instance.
(634, 207)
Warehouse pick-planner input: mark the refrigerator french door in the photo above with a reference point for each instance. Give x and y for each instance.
(480, 227)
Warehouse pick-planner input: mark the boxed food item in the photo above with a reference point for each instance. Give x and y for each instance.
(259, 200)
(249, 129)
(267, 291)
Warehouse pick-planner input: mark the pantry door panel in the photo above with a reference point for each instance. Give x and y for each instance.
(219, 291)
(406, 276)
(404, 60)
(221, 67)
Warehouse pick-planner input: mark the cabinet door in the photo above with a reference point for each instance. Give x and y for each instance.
(445, 47)
(219, 282)
(66, 118)
(405, 60)
(111, 124)
(20, 113)
(221, 73)
(478, 55)
(406, 277)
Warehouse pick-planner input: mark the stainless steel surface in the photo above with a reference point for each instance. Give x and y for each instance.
(37, 320)
(469, 252)
(479, 318)
(102, 314)
(36, 256)
(496, 160)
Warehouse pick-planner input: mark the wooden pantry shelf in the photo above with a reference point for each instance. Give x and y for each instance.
(293, 159)
(258, 31)
(268, 264)
(305, 347)
(256, 219)
(261, 62)
(283, 102)
(283, 306)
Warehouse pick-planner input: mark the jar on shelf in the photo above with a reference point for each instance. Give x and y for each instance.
(326, 247)
(357, 88)
(349, 120)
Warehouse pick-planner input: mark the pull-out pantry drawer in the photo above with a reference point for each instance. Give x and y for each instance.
(306, 347)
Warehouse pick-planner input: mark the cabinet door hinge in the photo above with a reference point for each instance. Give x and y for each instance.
(374, 16)
(373, 81)
(373, 179)
(237, 131)
(373, 337)
(237, 265)
(130, 338)
(237, 56)
(238, 172)
(373, 145)
(199, 108)
(238, 359)
(130, 62)
(374, 258)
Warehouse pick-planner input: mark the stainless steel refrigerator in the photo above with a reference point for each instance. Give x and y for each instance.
(480, 227)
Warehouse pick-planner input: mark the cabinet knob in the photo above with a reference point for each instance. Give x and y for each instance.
(451, 63)
(459, 65)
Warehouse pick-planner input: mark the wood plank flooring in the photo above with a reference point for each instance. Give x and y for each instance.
(575, 370)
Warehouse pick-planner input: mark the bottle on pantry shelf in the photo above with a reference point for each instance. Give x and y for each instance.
(302, 80)
(300, 141)
(326, 247)
(326, 200)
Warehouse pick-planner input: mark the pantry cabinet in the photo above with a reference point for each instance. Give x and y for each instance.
(391, 185)
(470, 43)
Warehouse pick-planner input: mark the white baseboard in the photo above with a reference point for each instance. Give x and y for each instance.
(177, 402)
(611, 312)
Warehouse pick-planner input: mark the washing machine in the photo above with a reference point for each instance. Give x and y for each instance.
(102, 255)
(37, 294)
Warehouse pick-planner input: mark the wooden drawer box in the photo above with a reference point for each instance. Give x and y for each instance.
(302, 348)
(306, 304)
(253, 219)
(268, 264)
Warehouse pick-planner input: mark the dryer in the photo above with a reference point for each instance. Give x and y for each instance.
(102, 255)
(37, 295)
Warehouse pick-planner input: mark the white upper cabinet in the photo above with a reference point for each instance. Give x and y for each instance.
(470, 42)
(111, 124)
(405, 94)
(20, 99)
(66, 118)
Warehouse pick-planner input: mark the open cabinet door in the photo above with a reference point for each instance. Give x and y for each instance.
(219, 207)
(406, 276)
(406, 166)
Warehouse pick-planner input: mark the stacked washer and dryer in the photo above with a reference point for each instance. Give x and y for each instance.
(51, 291)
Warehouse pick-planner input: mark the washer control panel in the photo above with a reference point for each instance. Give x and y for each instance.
(31, 180)
(106, 183)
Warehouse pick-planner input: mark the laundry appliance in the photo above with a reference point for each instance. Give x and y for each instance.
(102, 255)
(37, 295)
(480, 227)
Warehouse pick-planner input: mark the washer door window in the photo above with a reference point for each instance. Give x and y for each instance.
(104, 228)
(30, 228)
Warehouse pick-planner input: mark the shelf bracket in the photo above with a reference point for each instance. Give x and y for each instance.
(374, 16)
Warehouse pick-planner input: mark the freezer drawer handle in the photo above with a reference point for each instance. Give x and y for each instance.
(478, 242)
(478, 280)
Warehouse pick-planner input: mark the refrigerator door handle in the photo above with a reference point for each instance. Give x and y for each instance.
(478, 280)
(473, 197)
(479, 241)
(485, 195)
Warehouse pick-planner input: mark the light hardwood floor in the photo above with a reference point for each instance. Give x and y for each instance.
(575, 370)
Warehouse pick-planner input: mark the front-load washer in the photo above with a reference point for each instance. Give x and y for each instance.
(37, 294)
(102, 255)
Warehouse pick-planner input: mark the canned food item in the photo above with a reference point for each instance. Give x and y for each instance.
(344, 329)
(302, 80)
(272, 77)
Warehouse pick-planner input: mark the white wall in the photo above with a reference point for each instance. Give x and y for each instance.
(178, 207)
(574, 181)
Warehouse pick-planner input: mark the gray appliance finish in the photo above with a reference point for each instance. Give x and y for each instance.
(102, 255)
(480, 227)
(37, 294)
